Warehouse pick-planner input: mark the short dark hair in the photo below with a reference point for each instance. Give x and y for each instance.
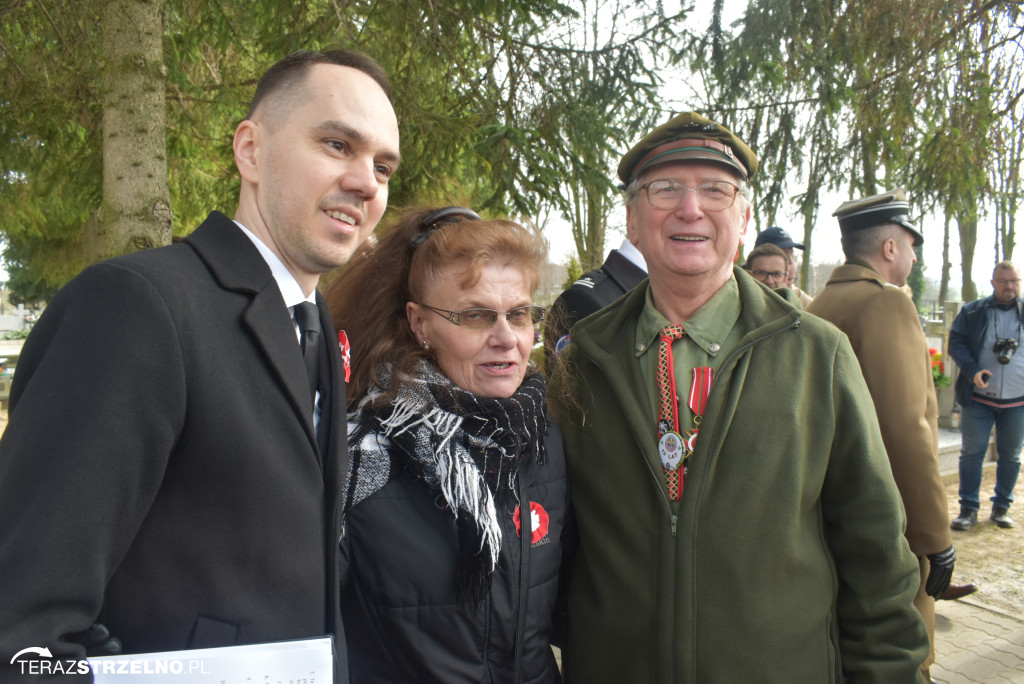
(865, 243)
(289, 72)
(1004, 266)
(763, 250)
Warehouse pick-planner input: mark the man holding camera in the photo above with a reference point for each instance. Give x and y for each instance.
(990, 391)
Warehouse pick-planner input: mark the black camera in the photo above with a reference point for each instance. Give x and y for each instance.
(1004, 348)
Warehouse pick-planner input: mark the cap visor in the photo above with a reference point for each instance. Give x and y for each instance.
(918, 237)
(691, 155)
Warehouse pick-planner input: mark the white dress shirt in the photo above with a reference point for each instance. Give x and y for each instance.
(290, 291)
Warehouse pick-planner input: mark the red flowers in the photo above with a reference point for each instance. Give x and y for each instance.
(938, 369)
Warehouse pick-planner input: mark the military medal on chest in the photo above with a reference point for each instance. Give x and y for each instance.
(670, 448)
(674, 448)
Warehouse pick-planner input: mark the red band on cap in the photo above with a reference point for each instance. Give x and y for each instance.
(690, 142)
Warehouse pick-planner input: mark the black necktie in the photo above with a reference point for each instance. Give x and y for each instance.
(308, 318)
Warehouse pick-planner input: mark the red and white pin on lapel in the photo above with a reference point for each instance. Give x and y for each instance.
(346, 353)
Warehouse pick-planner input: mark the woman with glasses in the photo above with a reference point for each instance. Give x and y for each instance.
(450, 451)
(769, 264)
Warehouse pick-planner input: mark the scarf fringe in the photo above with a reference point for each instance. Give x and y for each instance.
(458, 475)
(467, 447)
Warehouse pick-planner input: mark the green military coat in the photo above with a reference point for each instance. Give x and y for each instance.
(785, 560)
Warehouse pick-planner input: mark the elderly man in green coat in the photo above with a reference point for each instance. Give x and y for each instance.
(738, 519)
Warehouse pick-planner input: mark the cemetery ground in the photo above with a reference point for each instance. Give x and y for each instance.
(986, 555)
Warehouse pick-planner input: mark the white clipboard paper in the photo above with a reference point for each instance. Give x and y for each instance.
(300, 661)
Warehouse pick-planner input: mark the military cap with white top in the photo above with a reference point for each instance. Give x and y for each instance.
(877, 210)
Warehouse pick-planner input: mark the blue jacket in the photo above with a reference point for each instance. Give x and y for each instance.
(965, 340)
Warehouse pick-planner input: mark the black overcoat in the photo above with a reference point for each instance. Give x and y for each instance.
(160, 472)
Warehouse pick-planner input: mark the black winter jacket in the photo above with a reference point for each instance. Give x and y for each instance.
(402, 618)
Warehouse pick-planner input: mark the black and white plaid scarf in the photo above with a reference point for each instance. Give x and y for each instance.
(467, 447)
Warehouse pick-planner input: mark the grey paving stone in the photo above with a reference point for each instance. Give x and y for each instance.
(975, 644)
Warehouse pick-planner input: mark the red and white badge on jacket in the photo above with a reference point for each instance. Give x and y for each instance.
(538, 522)
(346, 353)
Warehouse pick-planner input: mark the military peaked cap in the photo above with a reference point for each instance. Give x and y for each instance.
(877, 210)
(689, 137)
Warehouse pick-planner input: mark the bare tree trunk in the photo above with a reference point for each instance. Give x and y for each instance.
(136, 197)
(967, 219)
(1010, 241)
(589, 220)
(809, 209)
(596, 217)
(805, 260)
(944, 279)
(868, 166)
(1009, 194)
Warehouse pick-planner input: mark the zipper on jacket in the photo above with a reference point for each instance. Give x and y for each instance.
(673, 518)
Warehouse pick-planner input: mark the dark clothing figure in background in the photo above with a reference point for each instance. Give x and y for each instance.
(984, 342)
(160, 473)
(769, 546)
(863, 298)
(623, 270)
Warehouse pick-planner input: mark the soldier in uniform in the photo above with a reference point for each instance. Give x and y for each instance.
(623, 270)
(863, 299)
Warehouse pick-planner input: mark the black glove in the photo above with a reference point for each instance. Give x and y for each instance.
(96, 640)
(941, 572)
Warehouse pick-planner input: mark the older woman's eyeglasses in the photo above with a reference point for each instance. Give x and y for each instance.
(711, 195)
(480, 319)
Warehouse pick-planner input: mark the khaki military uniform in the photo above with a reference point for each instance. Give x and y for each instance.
(886, 335)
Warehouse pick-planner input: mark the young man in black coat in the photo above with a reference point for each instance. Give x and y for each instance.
(161, 473)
